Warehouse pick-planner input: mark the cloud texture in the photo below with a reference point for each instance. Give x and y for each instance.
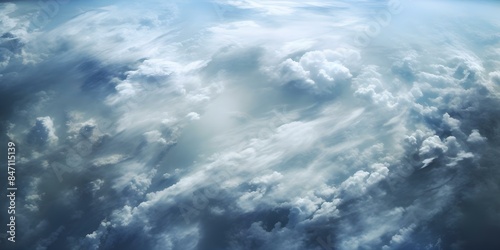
(253, 124)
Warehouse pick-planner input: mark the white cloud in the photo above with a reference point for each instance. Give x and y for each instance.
(432, 146)
(495, 77)
(368, 85)
(193, 116)
(359, 183)
(451, 122)
(154, 136)
(401, 237)
(475, 137)
(108, 160)
(316, 71)
(43, 132)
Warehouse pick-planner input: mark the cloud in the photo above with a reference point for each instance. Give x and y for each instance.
(318, 72)
(159, 126)
(432, 145)
(454, 124)
(495, 77)
(369, 86)
(401, 237)
(43, 132)
(475, 137)
(193, 116)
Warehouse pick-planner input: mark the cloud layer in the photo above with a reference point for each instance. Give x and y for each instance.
(253, 124)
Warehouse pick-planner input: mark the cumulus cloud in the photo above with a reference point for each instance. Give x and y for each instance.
(452, 123)
(319, 72)
(433, 145)
(475, 137)
(369, 85)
